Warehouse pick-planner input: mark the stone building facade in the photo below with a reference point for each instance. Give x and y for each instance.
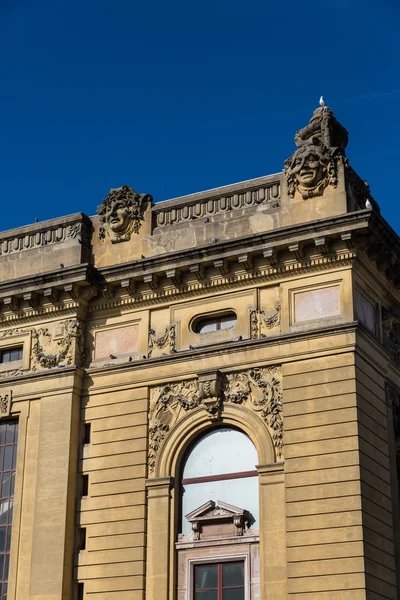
(199, 398)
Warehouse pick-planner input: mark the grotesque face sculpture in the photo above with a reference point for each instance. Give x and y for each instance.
(121, 214)
(117, 216)
(307, 171)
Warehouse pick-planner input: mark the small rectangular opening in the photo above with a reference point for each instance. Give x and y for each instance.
(86, 433)
(85, 485)
(11, 354)
(81, 591)
(82, 538)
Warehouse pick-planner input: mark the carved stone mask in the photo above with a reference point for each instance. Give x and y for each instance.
(117, 217)
(121, 214)
(308, 171)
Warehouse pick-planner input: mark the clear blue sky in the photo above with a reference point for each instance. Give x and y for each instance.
(177, 97)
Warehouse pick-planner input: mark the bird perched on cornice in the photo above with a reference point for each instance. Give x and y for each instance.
(322, 102)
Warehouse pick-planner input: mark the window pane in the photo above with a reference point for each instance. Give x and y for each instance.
(227, 321)
(9, 434)
(8, 458)
(239, 492)
(3, 512)
(207, 595)
(5, 486)
(221, 451)
(205, 576)
(233, 574)
(2, 539)
(237, 594)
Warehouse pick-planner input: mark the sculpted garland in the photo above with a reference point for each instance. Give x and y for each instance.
(259, 389)
(49, 350)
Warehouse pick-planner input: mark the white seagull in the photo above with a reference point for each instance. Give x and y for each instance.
(321, 102)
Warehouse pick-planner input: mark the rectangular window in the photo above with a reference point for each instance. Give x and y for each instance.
(219, 581)
(10, 354)
(8, 459)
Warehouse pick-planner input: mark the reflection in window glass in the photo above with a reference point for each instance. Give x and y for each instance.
(215, 323)
(220, 466)
(8, 453)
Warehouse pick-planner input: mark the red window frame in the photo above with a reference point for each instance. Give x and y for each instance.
(220, 589)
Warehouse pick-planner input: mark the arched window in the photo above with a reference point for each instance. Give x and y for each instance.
(220, 467)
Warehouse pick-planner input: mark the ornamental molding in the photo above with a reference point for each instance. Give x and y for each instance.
(258, 389)
(5, 403)
(162, 344)
(46, 236)
(261, 324)
(267, 193)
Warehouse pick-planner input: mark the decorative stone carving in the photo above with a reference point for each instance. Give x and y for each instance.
(391, 333)
(121, 214)
(167, 403)
(314, 165)
(210, 392)
(54, 349)
(60, 345)
(5, 403)
(261, 323)
(165, 342)
(259, 389)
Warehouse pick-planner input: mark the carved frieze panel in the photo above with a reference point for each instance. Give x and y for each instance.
(5, 403)
(262, 324)
(164, 343)
(59, 344)
(258, 389)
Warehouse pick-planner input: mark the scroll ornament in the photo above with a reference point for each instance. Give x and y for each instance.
(259, 389)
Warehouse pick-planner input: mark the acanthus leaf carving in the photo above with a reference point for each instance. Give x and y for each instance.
(259, 389)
